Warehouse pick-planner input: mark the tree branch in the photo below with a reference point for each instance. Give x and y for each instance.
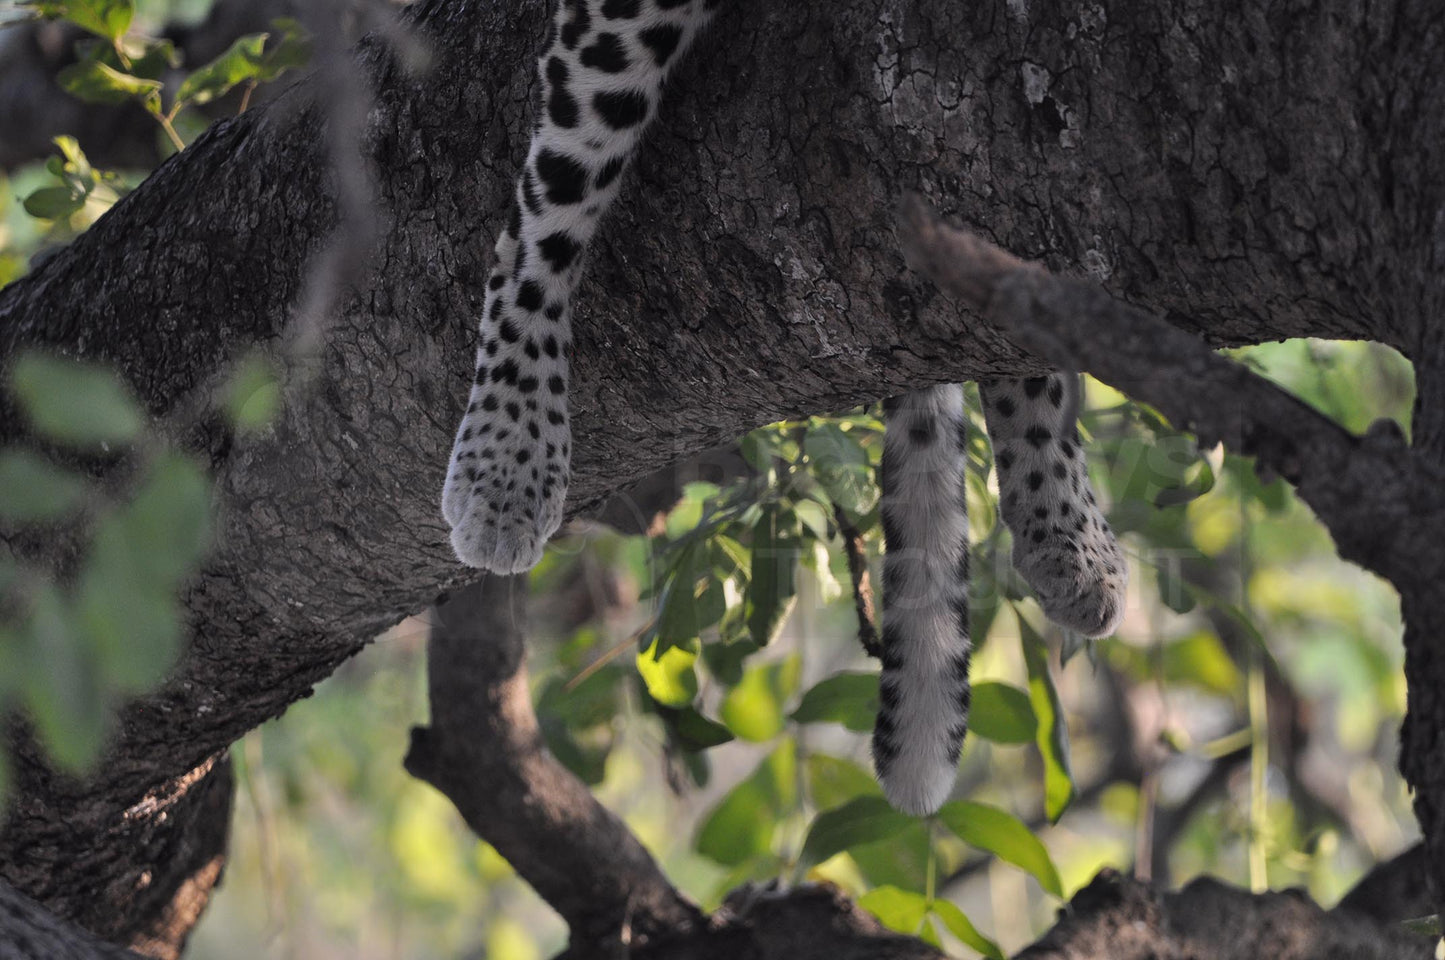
(1116, 918)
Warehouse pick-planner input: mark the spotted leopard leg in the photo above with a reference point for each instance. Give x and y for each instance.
(601, 74)
(923, 690)
(1062, 544)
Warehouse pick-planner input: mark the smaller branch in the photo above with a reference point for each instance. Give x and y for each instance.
(857, 553)
(484, 750)
(1379, 499)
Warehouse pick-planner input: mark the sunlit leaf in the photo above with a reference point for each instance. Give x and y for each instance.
(1004, 835)
(896, 909)
(961, 927)
(1052, 735)
(754, 708)
(1002, 713)
(671, 676)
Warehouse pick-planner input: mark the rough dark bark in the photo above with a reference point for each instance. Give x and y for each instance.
(28, 932)
(1115, 918)
(1263, 174)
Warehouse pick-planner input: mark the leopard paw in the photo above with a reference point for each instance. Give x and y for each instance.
(506, 485)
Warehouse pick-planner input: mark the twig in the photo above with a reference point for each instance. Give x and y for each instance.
(857, 553)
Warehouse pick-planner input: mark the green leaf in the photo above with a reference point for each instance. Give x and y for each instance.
(847, 698)
(32, 489)
(754, 708)
(1173, 590)
(833, 781)
(677, 619)
(841, 466)
(76, 403)
(814, 519)
(292, 49)
(670, 675)
(696, 732)
(1052, 735)
(165, 529)
(1003, 834)
(238, 63)
(252, 394)
(97, 82)
(741, 826)
(53, 203)
(772, 590)
(1002, 713)
(61, 697)
(105, 18)
(896, 909)
(1201, 660)
(961, 927)
(861, 820)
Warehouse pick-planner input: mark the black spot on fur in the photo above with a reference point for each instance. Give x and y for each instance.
(508, 331)
(1004, 406)
(555, 418)
(1038, 435)
(531, 349)
(609, 172)
(513, 411)
(549, 346)
(489, 402)
(1036, 480)
(576, 28)
(621, 110)
(606, 54)
(620, 9)
(1060, 471)
(1034, 386)
(506, 372)
(559, 250)
(1004, 461)
(561, 106)
(554, 311)
(514, 222)
(564, 178)
(1056, 391)
(497, 282)
(527, 385)
(556, 385)
(529, 296)
(662, 41)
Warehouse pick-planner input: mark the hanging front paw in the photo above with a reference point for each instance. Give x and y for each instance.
(507, 480)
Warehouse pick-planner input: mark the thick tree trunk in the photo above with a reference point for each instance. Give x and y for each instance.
(1262, 174)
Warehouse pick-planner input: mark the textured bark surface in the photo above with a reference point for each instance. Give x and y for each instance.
(1264, 174)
